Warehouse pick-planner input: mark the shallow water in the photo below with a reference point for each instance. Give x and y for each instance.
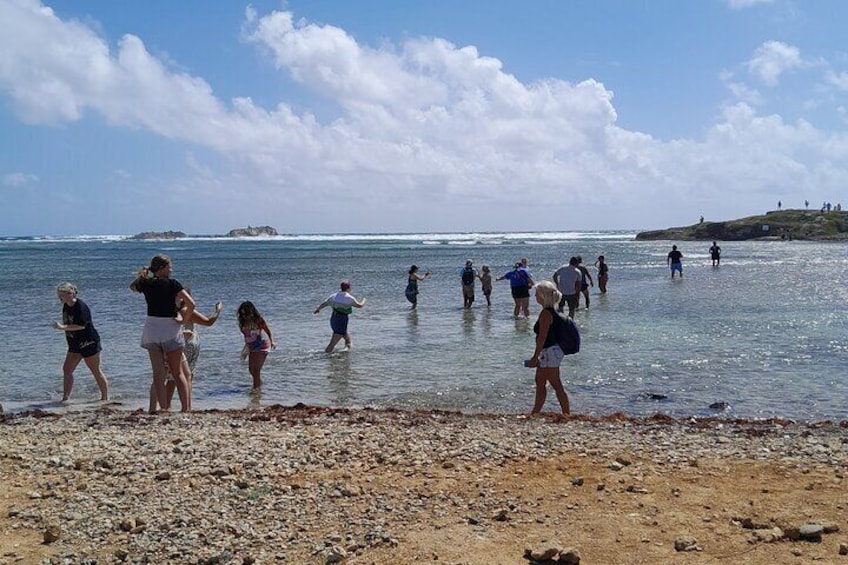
(764, 333)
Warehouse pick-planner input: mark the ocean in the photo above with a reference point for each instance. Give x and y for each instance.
(765, 334)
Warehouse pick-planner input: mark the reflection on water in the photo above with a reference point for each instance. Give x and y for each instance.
(339, 374)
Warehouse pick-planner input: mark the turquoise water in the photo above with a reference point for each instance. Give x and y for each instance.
(765, 333)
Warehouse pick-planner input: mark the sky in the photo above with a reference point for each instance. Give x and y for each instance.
(379, 116)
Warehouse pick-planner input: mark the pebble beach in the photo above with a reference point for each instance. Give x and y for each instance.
(320, 485)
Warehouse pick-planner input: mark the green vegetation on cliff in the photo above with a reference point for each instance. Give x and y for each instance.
(785, 224)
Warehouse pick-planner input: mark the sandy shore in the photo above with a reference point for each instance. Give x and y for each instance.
(310, 485)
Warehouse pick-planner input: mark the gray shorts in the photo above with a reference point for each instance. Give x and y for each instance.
(162, 334)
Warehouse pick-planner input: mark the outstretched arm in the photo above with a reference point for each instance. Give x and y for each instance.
(202, 320)
(359, 303)
(321, 306)
(67, 327)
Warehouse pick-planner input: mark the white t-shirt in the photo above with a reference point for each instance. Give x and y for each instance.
(342, 301)
(567, 276)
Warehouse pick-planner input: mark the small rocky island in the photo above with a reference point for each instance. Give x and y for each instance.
(159, 235)
(260, 231)
(249, 231)
(780, 224)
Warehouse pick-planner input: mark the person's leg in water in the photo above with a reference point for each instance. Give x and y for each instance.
(160, 371)
(255, 361)
(545, 375)
(175, 358)
(93, 363)
(333, 341)
(525, 307)
(72, 360)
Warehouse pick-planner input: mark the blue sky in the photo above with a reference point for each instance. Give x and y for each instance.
(383, 116)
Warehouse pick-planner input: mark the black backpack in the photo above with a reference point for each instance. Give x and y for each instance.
(468, 276)
(567, 334)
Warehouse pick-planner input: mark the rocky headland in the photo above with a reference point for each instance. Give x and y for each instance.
(321, 485)
(783, 224)
(249, 231)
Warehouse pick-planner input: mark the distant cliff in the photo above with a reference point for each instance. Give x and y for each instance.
(252, 231)
(238, 232)
(786, 224)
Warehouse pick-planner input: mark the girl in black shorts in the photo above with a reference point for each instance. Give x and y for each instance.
(83, 341)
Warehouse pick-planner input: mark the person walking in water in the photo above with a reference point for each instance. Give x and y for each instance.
(468, 274)
(83, 341)
(547, 355)
(603, 274)
(256, 348)
(520, 284)
(568, 281)
(412, 284)
(715, 254)
(486, 284)
(675, 261)
(342, 304)
(585, 280)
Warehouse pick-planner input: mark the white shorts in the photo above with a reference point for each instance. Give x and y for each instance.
(162, 334)
(551, 357)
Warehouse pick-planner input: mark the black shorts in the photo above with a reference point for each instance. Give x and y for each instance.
(570, 299)
(584, 287)
(520, 292)
(85, 348)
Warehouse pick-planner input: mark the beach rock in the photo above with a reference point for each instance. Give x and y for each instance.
(335, 554)
(843, 548)
(686, 543)
(546, 552)
(719, 405)
(569, 556)
(577, 481)
(501, 515)
(768, 536)
(754, 524)
(52, 533)
(830, 527)
(811, 532)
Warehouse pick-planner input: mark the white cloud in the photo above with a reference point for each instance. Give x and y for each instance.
(427, 131)
(19, 179)
(772, 59)
(742, 4)
(839, 80)
(741, 92)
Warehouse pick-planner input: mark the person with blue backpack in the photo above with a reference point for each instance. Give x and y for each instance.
(556, 336)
